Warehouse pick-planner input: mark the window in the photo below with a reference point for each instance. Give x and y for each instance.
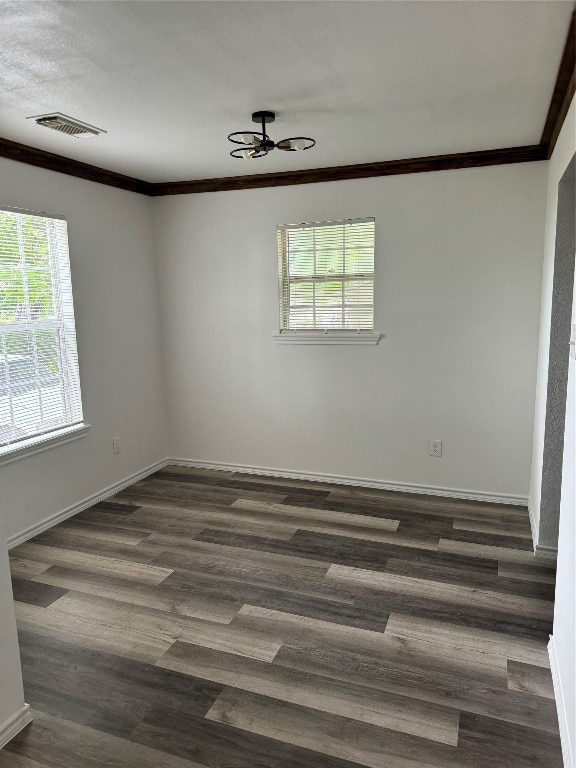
(39, 380)
(326, 276)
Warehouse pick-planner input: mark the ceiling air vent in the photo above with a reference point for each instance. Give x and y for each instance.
(59, 122)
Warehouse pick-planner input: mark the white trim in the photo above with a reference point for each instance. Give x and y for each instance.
(567, 747)
(330, 337)
(28, 212)
(335, 223)
(80, 506)
(37, 444)
(542, 550)
(386, 485)
(533, 521)
(14, 725)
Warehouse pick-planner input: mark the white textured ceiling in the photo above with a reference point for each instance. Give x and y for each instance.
(368, 80)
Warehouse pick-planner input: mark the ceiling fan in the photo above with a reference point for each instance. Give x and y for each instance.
(258, 144)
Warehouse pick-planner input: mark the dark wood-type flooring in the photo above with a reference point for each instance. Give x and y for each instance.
(220, 620)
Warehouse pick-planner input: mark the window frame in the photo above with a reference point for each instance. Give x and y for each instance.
(336, 334)
(61, 279)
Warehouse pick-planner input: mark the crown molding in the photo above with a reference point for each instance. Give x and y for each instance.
(361, 171)
(52, 162)
(561, 98)
(563, 91)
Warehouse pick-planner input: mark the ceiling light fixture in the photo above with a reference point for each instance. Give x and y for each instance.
(258, 144)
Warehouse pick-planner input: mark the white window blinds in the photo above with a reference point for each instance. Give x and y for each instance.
(39, 380)
(326, 275)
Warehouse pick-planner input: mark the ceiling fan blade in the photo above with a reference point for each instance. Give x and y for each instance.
(295, 144)
(249, 153)
(246, 138)
(251, 138)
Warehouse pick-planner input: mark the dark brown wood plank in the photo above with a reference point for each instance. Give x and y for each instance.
(360, 171)
(563, 93)
(53, 162)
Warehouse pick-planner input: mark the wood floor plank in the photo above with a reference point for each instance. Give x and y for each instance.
(182, 599)
(26, 591)
(471, 617)
(223, 620)
(485, 741)
(527, 572)
(329, 544)
(241, 482)
(219, 745)
(70, 540)
(103, 532)
(428, 506)
(530, 679)
(103, 690)
(470, 578)
(80, 747)
(516, 649)
(163, 627)
(25, 569)
(310, 513)
(505, 540)
(503, 554)
(11, 760)
(193, 546)
(54, 624)
(424, 684)
(256, 518)
(292, 628)
(451, 593)
(142, 572)
(188, 520)
(284, 576)
(398, 713)
(307, 633)
(325, 609)
(521, 530)
(113, 506)
(176, 487)
(339, 737)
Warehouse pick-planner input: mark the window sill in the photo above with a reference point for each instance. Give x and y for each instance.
(328, 337)
(33, 445)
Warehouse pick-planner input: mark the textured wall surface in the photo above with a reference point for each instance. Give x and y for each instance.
(115, 303)
(458, 271)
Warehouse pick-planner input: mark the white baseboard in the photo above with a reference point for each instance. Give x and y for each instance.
(15, 724)
(568, 749)
(542, 550)
(385, 485)
(89, 501)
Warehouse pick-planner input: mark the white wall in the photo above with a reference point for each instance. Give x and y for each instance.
(563, 641)
(115, 298)
(11, 692)
(545, 521)
(459, 264)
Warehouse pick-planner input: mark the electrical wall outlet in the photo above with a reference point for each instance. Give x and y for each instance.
(435, 448)
(116, 445)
